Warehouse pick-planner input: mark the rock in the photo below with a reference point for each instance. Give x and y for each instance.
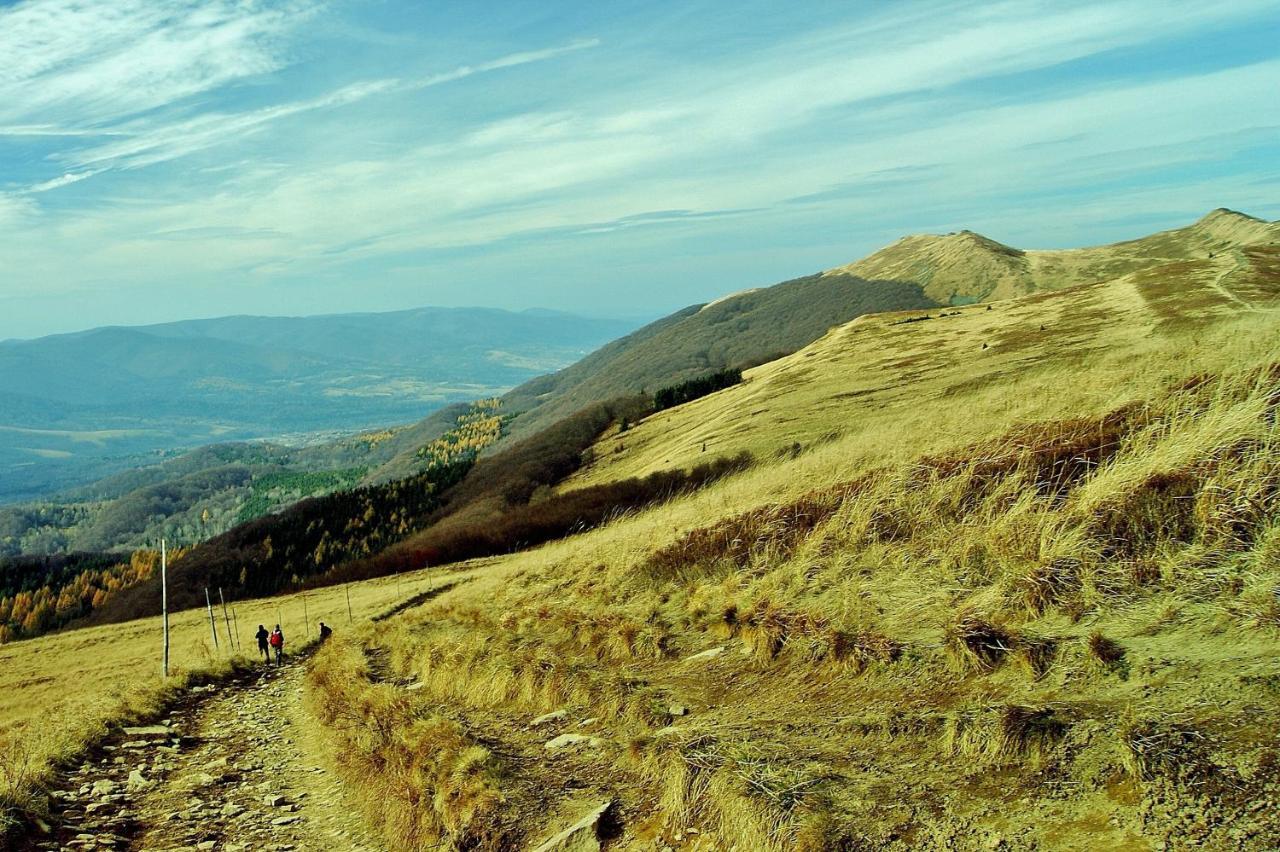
(207, 844)
(42, 826)
(571, 740)
(583, 836)
(678, 710)
(198, 779)
(274, 801)
(138, 782)
(231, 810)
(586, 723)
(105, 787)
(554, 716)
(709, 654)
(149, 732)
(285, 820)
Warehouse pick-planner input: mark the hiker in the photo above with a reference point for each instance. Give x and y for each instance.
(262, 643)
(277, 642)
(325, 631)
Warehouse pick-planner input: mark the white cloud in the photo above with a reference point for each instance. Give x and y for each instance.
(59, 182)
(749, 133)
(101, 61)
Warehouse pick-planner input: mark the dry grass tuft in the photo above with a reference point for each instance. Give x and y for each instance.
(1050, 583)
(977, 644)
(1004, 735)
(1105, 650)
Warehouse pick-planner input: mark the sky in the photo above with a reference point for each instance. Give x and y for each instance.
(162, 159)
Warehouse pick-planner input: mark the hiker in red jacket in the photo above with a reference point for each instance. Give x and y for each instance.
(277, 643)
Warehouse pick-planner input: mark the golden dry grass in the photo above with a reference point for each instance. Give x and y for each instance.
(1027, 600)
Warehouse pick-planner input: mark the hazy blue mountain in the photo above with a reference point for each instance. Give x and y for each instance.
(76, 407)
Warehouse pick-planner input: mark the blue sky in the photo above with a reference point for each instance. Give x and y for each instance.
(164, 159)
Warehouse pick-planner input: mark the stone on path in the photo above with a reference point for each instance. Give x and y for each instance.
(570, 740)
(103, 788)
(149, 732)
(138, 782)
(553, 716)
(709, 654)
(582, 836)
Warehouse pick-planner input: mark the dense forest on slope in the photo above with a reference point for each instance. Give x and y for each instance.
(42, 593)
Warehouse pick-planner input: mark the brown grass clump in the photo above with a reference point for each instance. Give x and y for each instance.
(978, 644)
(1057, 454)
(1049, 583)
(1006, 734)
(776, 529)
(1103, 649)
(864, 648)
(1155, 748)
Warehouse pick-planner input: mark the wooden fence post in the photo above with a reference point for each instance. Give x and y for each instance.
(213, 625)
(231, 637)
(164, 601)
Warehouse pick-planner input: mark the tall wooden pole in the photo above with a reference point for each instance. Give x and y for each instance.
(213, 625)
(306, 618)
(350, 618)
(231, 637)
(236, 621)
(164, 602)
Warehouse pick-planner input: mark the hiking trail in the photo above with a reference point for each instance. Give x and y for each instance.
(234, 766)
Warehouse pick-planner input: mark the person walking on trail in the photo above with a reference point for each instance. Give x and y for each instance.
(325, 631)
(262, 637)
(277, 644)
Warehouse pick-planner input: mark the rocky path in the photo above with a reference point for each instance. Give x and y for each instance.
(235, 767)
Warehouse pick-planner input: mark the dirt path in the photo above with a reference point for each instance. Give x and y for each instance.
(235, 767)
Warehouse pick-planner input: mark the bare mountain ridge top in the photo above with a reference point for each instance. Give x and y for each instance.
(964, 267)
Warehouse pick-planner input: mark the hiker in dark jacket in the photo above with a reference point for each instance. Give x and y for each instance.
(262, 637)
(277, 644)
(325, 631)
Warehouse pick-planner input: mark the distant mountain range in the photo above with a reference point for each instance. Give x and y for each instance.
(330, 372)
(75, 407)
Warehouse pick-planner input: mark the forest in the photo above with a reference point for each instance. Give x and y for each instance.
(39, 594)
(694, 388)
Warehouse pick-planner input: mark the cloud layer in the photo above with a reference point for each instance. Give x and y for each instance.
(563, 166)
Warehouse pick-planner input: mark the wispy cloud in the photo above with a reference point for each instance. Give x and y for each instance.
(102, 61)
(934, 110)
(153, 141)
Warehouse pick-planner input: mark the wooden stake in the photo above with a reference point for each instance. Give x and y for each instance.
(350, 618)
(306, 619)
(236, 621)
(164, 602)
(231, 637)
(213, 625)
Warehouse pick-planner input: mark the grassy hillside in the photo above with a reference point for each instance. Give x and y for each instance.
(740, 330)
(1000, 580)
(868, 377)
(760, 325)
